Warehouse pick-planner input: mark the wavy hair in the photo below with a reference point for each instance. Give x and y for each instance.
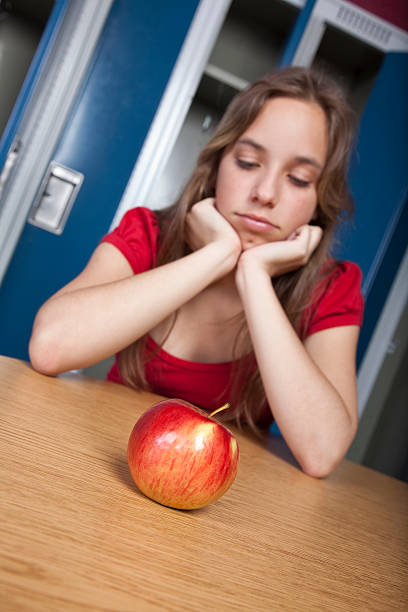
(297, 290)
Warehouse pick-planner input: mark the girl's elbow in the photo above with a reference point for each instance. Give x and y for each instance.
(42, 354)
(321, 463)
(319, 469)
(322, 455)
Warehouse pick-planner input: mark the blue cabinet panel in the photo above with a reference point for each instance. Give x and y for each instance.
(379, 182)
(102, 139)
(297, 33)
(384, 278)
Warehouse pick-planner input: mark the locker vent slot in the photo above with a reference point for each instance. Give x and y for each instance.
(362, 25)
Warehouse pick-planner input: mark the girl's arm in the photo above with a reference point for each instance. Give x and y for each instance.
(107, 307)
(310, 387)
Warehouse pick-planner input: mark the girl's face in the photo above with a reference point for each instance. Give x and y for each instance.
(267, 181)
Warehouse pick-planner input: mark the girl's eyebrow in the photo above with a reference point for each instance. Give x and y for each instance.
(310, 161)
(251, 143)
(300, 159)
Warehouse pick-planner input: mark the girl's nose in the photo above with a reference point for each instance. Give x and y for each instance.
(266, 190)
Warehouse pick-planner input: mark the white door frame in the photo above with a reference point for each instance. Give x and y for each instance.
(352, 19)
(175, 103)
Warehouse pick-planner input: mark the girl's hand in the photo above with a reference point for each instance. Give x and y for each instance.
(277, 258)
(205, 225)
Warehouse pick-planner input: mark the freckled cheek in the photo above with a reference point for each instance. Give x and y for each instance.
(220, 201)
(304, 208)
(226, 195)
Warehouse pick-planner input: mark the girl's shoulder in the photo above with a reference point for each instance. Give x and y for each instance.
(337, 299)
(346, 274)
(137, 237)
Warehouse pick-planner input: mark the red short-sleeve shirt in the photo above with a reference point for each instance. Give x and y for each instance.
(208, 385)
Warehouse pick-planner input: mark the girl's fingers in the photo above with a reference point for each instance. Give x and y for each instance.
(205, 224)
(309, 236)
(315, 237)
(278, 258)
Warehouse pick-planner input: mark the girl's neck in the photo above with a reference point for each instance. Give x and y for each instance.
(207, 327)
(222, 297)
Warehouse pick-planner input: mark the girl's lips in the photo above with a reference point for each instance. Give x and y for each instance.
(256, 223)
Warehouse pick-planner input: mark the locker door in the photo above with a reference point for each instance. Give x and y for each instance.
(101, 139)
(379, 182)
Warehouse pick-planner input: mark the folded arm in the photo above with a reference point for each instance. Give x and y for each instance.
(107, 307)
(310, 387)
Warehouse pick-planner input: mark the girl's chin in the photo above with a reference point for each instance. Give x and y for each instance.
(251, 245)
(249, 242)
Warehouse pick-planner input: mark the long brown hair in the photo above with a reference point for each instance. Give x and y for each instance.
(333, 199)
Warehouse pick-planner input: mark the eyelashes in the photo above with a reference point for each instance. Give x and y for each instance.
(298, 182)
(248, 165)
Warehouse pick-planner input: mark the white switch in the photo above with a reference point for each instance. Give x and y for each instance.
(56, 197)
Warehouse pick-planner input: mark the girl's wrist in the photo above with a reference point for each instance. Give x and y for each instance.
(223, 255)
(251, 263)
(249, 272)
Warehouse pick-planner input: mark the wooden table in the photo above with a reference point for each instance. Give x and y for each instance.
(76, 534)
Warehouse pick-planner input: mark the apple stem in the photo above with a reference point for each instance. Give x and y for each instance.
(224, 407)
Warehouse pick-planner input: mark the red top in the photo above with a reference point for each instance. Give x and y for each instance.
(208, 385)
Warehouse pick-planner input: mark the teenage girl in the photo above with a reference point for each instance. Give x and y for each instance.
(231, 295)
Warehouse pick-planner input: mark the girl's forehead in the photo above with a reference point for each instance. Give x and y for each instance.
(289, 123)
(285, 111)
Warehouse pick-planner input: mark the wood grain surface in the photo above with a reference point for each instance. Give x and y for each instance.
(76, 534)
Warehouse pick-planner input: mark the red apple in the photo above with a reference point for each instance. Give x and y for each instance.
(180, 456)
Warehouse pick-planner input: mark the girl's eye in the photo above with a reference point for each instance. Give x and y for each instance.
(298, 182)
(246, 164)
